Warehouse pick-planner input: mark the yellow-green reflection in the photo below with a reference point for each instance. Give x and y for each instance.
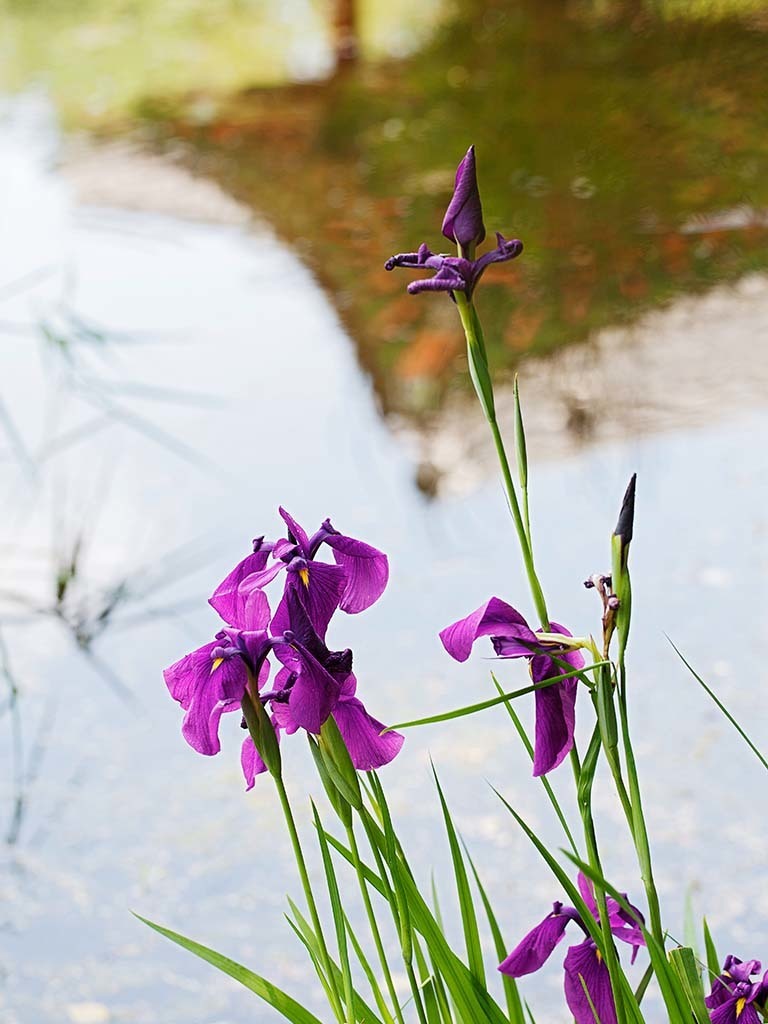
(626, 147)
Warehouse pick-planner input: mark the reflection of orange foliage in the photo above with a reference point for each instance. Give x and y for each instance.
(633, 285)
(503, 273)
(576, 300)
(429, 355)
(522, 327)
(401, 310)
(674, 254)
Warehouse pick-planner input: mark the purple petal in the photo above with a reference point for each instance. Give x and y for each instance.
(220, 691)
(411, 260)
(320, 595)
(734, 1011)
(362, 735)
(296, 533)
(506, 249)
(535, 949)
(314, 694)
(183, 677)
(555, 721)
(366, 567)
(445, 280)
(231, 604)
(463, 221)
(585, 962)
(251, 762)
(495, 616)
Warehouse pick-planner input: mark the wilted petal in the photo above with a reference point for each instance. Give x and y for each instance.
(251, 762)
(535, 949)
(506, 249)
(230, 603)
(585, 962)
(366, 567)
(494, 617)
(362, 735)
(463, 221)
(447, 279)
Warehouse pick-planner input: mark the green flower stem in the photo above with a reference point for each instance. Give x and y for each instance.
(639, 828)
(584, 779)
(309, 896)
(478, 368)
(373, 924)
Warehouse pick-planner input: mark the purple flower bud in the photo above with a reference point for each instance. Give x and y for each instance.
(463, 221)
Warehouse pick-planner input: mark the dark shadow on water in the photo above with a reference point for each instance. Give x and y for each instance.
(626, 151)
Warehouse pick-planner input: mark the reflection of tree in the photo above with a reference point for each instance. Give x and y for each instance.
(612, 145)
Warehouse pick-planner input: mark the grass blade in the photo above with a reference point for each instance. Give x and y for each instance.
(270, 993)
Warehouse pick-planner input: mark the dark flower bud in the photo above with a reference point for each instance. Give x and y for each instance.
(463, 221)
(627, 515)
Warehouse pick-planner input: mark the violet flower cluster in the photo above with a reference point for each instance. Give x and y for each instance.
(586, 975)
(311, 682)
(462, 224)
(735, 997)
(512, 637)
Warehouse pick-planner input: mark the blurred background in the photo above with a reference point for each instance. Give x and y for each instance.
(196, 202)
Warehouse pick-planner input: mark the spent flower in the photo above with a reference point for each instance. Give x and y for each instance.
(463, 223)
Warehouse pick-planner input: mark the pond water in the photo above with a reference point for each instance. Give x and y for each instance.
(171, 372)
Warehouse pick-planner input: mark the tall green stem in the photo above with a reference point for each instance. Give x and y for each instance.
(310, 898)
(373, 924)
(481, 378)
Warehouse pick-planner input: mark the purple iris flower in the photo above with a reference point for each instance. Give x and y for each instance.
(463, 223)
(362, 733)
(353, 583)
(512, 637)
(312, 682)
(583, 962)
(735, 997)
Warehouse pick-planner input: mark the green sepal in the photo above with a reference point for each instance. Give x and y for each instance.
(338, 763)
(337, 801)
(262, 731)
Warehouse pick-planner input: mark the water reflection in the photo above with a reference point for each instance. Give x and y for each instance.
(627, 149)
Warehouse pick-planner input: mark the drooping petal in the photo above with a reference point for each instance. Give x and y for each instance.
(251, 762)
(296, 533)
(362, 735)
(463, 221)
(555, 721)
(494, 617)
(624, 925)
(315, 692)
(585, 962)
(506, 249)
(366, 567)
(447, 279)
(228, 600)
(221, 690)
(533, 951)
(183, 677)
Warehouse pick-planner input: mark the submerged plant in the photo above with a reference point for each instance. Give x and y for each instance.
(312, 689)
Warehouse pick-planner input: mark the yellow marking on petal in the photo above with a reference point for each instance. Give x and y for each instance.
(304, 574)
(599, 956)
(740, 1004)
(216, 664)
